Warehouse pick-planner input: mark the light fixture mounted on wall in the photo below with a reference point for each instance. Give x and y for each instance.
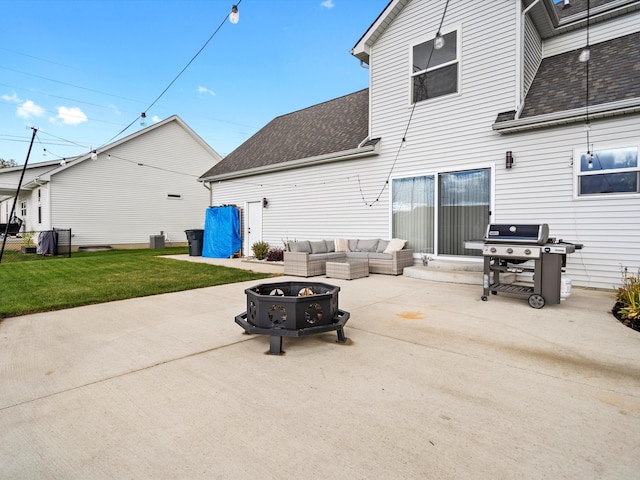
(509, 159)
(265, 203)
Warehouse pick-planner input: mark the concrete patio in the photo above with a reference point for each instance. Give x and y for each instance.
(432, 383)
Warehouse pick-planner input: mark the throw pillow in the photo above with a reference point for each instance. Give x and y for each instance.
(394, 245)
(342, 245)
(301, 246)
(318, 247)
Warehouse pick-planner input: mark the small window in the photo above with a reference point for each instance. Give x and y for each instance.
(39, 214)
(609, 171)
(435, 71)
(23, 209)
(174, 196)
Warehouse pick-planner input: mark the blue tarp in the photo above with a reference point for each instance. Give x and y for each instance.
(221, 237)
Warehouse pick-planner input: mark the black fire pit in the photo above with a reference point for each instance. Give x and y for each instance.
(292, 309)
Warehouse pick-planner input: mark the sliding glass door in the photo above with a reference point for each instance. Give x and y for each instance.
(450, 206)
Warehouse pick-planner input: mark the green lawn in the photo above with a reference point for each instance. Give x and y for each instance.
(37, 284)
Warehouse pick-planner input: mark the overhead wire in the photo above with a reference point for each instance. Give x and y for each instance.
(406, 130)
(144, 112)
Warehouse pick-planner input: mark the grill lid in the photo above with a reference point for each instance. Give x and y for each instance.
(517, 233)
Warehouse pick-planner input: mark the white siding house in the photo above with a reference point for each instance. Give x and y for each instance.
(440, 125)
(143, 185)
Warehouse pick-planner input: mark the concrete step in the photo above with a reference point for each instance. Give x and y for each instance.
(451, 271)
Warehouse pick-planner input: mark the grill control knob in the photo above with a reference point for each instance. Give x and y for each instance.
(509, 250)
(547, 249)
(493, 250)
(527, 251)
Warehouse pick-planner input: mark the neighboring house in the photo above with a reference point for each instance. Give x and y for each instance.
(142, 185)
(432, 165)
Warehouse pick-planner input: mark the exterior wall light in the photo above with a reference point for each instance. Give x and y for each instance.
(265, 203)
(509, 159)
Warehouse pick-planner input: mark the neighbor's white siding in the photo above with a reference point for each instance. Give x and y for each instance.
(117, 201)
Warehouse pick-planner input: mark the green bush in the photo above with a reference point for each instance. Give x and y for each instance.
(260, 250)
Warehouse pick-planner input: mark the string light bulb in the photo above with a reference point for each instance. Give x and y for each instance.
(94, 155)
(585, 54)
(438, 42)
(143, 116)
(234, 16)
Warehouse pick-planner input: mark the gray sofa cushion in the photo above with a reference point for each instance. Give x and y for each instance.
(360, 255)
(382, 244)
(326, 256)
(367, 245)
(302, 246)
(331, 245)
(353, 244)
(318, 247)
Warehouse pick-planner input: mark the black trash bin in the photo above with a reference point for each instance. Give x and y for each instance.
(195, 238)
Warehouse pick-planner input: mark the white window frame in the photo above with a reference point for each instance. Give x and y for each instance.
(578, 174)
(458, 60)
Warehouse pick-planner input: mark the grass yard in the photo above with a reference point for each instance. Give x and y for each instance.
(53, 283)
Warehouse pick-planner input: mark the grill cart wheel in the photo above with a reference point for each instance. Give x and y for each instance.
(536, 301)
(483, 298)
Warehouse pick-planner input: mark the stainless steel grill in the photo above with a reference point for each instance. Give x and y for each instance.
(507, 247)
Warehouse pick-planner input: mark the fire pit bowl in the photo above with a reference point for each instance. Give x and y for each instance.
(292, 309)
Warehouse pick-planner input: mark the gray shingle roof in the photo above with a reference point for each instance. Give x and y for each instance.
(334, 126)
(560, 83)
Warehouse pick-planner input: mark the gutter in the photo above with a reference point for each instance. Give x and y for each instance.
(354, 153)
(613, 109)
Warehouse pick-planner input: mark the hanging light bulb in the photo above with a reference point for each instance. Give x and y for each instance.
(585, 54)
(63, 162)
(94, 155)
(587, 125)
(438, 42)
(234, 16)
(143, 115)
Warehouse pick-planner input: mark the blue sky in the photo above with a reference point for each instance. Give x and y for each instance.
(82, 70)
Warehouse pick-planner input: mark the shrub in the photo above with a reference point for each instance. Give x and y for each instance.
(260, 250)
(628, 298)
(275, 255)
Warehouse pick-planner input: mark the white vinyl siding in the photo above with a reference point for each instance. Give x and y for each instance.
(352, 199)
(532, 54)
(116, 201)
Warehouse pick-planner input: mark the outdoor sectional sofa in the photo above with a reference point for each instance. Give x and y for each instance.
(309, 258)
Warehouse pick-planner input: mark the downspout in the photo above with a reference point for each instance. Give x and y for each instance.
(520, 16)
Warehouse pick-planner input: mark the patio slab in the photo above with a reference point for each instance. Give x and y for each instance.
(432, 383)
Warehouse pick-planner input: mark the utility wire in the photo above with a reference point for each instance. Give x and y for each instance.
(404, 136)
(144, 113)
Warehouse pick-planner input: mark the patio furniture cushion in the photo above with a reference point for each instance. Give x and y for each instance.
(394, 245)
(341, 245)
(382, 245)
(301, 246)
(331, 246)
(367, 245)
(318, 247)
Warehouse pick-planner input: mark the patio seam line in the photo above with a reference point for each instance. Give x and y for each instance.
(496, 362)
(148, 367)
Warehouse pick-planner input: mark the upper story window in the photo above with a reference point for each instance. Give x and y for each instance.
(435, 71)
(609, 171)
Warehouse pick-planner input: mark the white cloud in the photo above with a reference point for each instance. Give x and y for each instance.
(29, 109)
(11, 98)
(155, 119)
(206, 90)
(327, 4)
(71, 116)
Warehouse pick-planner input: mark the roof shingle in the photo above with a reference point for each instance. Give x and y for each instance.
(560, 83)
(334, 126)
